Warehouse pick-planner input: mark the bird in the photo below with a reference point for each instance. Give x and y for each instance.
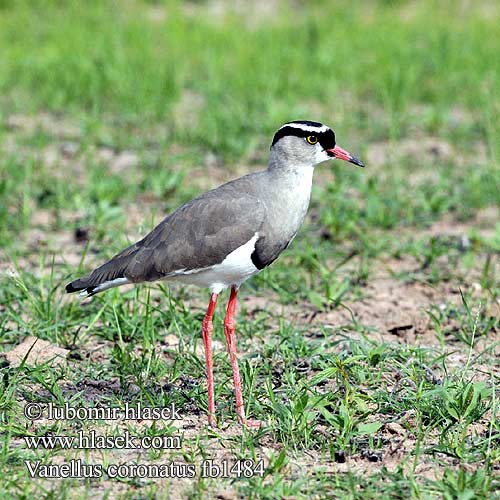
(226, 235)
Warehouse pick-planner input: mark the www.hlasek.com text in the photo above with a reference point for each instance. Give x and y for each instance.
(94, 441)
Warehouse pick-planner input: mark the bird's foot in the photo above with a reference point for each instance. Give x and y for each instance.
(253, 424)
(211, 420)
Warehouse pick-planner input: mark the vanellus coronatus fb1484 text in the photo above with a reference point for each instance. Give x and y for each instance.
(223, 237)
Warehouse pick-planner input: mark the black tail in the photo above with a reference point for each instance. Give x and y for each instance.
(109, 275)
(80, 285)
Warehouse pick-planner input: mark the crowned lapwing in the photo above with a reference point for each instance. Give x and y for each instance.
(225, 236)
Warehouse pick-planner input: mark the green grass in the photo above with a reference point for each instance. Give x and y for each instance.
(373, 360)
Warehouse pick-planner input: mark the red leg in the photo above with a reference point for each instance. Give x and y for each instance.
(206, 331)
(229, 327)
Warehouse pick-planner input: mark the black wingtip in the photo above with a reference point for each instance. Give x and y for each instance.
(90, 291)
(70, 288)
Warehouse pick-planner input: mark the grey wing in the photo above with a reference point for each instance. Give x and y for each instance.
(199, 234)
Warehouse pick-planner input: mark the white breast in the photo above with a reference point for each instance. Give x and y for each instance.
(292, 200)
(236, 268)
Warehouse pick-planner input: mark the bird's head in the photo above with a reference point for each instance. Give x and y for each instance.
(306, 143)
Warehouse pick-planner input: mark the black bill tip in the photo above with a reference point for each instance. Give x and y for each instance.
(356, 161)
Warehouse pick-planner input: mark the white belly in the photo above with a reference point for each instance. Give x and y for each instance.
(236, 268)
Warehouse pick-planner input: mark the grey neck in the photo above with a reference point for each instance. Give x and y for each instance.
(281, 158)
